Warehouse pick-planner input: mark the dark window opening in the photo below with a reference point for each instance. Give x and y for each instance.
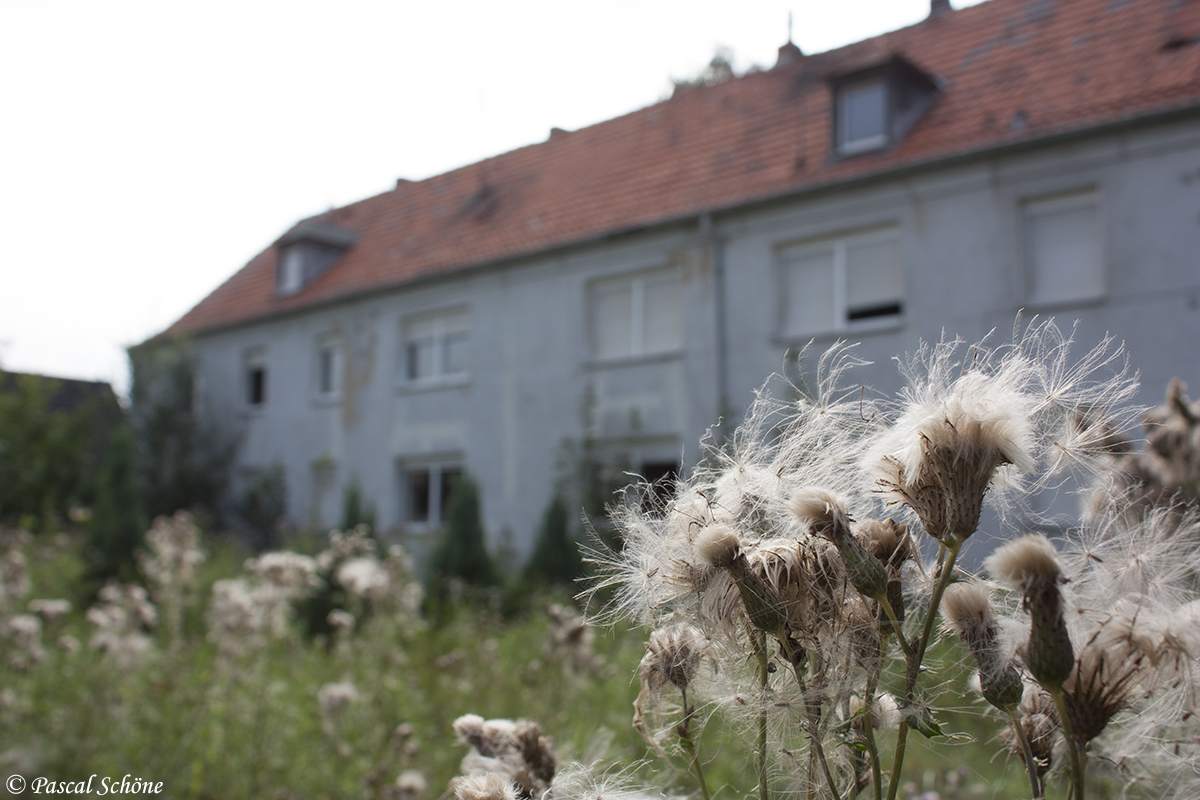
(326, 371)
(257, 386)
(449, 483)
(662, 477)
(418, 496)
(890, 309)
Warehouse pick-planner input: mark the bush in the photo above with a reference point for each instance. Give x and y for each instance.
(118, 521)
(555, 557)
(461, 555)
(263, 507)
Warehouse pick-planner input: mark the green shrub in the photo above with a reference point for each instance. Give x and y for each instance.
(461, 555)
(555, 557)
(118, 521)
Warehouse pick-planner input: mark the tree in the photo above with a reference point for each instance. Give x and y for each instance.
(462, 553)
(263, 506)
(184, 458)
(52, 438)
(555, 557)
(118, 522)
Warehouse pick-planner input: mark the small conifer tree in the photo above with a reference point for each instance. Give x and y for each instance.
(462, 553)
(555, 557)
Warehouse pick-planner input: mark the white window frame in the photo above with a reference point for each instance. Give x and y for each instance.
(637, 282)
(845, 145)
(291, 269)
(254, 359)
(436, 471)
(1048, 205)
(330, 343)
(839, 245)
(440, 326)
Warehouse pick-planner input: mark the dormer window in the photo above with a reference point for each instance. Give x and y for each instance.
(875, 107)
(306, 251)
(862, 116)
(291, 270)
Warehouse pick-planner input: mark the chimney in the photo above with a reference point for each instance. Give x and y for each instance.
(788, 54)
(938, 7)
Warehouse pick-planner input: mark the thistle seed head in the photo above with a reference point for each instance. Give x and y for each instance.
(1030, 565)
(825, 514)
(672, 656)
(718, 545)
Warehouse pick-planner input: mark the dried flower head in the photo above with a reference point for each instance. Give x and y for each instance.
(517, 752)
(1031, 566)
(333, 698)
(489, 786)
(967, 610)
(827, 517)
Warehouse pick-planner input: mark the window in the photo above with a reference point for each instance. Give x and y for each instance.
(256, 377)
(878, 105)
(426, 492)
(328, 367)
(637, 316)
(1063, 249)
(862, 116)
(435, 345)
(291, 270)
(831, 285)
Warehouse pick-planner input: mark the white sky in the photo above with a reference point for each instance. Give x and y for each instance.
(149, 149)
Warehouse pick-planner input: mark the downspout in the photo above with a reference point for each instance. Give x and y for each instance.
(716, 249)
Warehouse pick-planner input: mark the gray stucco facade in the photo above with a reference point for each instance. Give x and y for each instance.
(521, 347)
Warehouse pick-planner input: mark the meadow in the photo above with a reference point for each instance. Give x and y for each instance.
(789, 620)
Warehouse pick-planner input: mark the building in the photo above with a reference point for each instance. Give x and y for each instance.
(641, 277)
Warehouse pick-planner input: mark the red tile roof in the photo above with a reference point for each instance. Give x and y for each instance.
(1010, 71)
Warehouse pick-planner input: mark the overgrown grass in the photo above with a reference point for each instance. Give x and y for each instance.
(209, 727)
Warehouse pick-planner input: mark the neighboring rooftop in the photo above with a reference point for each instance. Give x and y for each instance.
(1005, 72)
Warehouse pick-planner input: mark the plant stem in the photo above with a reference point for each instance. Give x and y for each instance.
(909, 655)
(1078, 760)
(810, 714)
(947, 554)
(1027, 751)
(684, 729)
(764, 677)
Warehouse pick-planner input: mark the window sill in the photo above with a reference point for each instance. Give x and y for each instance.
(1066, 303)
(629, 361)
(851, 331)
(434, 384)
(862, 146)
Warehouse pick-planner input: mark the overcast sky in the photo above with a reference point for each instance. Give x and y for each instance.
(149, 149)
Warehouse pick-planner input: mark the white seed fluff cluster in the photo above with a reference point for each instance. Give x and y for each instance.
(793, 542)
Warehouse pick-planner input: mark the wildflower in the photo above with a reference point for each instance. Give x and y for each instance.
(672, 656)
(1031, 566)
(26, 632)
(961, 434)
(340, 620)
(410, 785)
(827, 517)
(121, 617)
(516, 752)
(483, 787)
(363, 577)
(967, 611)
(50, 610)
(175, 553)
(570, 634)
(719, 546)
(333, 698)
